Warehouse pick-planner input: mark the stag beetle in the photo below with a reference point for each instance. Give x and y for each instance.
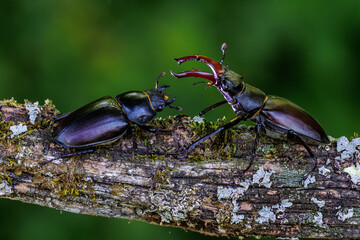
(274, 116)
(105, 120)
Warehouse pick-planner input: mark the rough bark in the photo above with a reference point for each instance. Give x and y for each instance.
(203, 191)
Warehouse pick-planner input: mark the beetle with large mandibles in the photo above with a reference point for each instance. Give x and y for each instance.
(105, 120)
(274, 116)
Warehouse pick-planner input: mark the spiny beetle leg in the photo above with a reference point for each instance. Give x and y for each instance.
(158, 131)
(220, 129)
(202, 113)
(256, 142)
(68, 155)
(295, 136)
(57, 118)
(134, 143)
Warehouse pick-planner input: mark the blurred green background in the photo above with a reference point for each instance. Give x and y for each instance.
(76, 51)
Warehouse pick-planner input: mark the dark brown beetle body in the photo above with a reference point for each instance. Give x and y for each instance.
(274, 116)
(105, 120)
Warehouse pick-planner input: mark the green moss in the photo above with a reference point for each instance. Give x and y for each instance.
(199, 158)
(68, 184)
(222, 143)
(355, 135)
(49, 107)
(153, 157)
(161, 177)
(141, 135)
(10, 102)
(5, 131)
(6, 166)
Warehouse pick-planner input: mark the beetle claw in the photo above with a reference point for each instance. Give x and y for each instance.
(215, 66)
(196, 73)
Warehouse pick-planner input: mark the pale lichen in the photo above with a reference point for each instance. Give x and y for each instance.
(354, 172)
(324, 171)
(348, 148)
(262, 177)
(310, 179)
(198, 119)
(5, 187)
(282, 207)
(175, 206)
(234, 194)
(266, 215)
(33, 110)
(342, 216)
(17, 129)
(237, 218)
(228, 192)
(320, 203)
(318, 220)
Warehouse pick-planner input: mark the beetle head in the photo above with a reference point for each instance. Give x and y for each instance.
(228, 82)
(158, 98)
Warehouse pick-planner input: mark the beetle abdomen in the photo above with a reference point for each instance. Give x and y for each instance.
(287, 115)
(101, 103)
(97, 127)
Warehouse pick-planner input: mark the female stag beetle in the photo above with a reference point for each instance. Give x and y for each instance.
(274, 116)
(105, 120)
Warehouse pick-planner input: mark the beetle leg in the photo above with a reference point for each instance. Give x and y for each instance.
(202, 113)
(158, 131)
(175, 107)
(134, 143)
(201, 82)
(57, 118)
(256, 142)
(294, 135)
(228, 125)
(68, 155)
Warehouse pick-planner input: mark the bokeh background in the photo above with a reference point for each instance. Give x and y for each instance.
(76, 51)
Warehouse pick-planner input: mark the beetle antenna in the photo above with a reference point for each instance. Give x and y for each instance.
(223, 50)
(175, 107)
(200, 82)
(157, 80)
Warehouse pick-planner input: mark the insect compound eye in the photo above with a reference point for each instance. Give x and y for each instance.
(160, 106)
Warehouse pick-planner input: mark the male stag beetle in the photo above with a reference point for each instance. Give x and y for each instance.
(105, 120)
(274, 116)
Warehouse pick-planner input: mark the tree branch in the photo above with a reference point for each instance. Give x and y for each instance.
(203, 191)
